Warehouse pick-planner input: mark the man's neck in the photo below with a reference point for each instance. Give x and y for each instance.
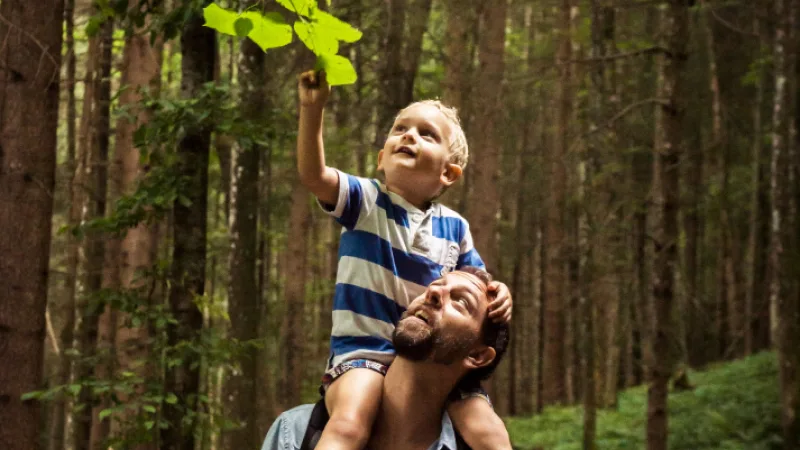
(414, 397)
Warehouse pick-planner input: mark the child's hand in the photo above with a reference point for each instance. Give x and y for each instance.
(500, 308)
(313, 89)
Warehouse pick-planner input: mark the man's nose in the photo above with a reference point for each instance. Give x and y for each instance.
(435, 296)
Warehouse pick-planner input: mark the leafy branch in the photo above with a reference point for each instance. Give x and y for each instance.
(320, 31)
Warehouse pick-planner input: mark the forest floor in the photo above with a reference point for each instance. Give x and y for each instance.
(733, 406)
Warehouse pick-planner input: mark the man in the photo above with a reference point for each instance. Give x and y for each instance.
(444, 338)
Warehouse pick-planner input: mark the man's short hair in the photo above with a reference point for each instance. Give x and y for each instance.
(459, 150)
(494, 335)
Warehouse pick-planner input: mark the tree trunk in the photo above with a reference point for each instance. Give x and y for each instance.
(391, 79)
(199, 48)
(419, 12)
(57, 409)
(555, 295)
(666, 192)
(243, 296)
(754, 258)
(29, 88)
(96, 183)
(783, 299)
(292, 348)
(141, 70)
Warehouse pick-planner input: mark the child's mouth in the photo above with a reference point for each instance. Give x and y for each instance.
(404, 150)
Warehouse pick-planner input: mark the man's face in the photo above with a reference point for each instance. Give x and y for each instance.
(444, 324)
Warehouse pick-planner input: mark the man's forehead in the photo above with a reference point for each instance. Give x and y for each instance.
(471, 279)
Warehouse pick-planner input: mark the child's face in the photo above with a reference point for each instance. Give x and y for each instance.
(416, 155)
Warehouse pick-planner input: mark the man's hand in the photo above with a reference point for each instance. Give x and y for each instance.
(313, 89)
(500, 308)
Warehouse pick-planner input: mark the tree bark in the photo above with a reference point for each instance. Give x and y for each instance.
(668, 152)
(419, 12)
(555, 294)
(391, 79)
(199, 50)
(96, 178)
(784, 308)
(243, 295)
(140, 71)
(292, 348)
(29, 87)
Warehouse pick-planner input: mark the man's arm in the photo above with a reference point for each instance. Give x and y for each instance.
(321, 180)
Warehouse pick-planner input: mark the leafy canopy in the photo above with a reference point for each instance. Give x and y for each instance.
(320, 31)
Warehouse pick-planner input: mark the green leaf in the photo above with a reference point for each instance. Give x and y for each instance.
(243, 25)
(31, 395)
(74, 389)
(171, 399)
(338, 69)
(302, 7)
(220, 19)
(319, 43)
(149, 424)
(269, 30)
(149, 408)
(104, 413)
(329, 25)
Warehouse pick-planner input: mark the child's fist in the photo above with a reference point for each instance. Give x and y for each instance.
(500, 308)
(313, 88)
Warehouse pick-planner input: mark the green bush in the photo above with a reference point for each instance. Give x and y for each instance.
(734, 406)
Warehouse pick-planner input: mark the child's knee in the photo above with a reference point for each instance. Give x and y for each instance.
(350, 427)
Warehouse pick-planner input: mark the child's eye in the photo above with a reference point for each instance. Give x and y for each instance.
(399, 128)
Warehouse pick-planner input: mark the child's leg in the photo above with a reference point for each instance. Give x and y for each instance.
(476, 421)
(352, 401)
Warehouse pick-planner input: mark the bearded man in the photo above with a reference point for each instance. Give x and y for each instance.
(445, 340)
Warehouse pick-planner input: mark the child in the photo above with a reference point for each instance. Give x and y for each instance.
(395, 242)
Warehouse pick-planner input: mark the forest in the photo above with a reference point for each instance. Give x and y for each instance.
(167, 282)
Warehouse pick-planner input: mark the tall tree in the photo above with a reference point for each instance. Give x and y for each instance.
(243, 294)
(29, 86)
(96, 179)
(199, 49)
(140, 77)
(784, 308)
(668, 151)
(555, 294)
(392, 70)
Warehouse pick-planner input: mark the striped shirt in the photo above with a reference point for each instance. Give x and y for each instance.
(389, 252)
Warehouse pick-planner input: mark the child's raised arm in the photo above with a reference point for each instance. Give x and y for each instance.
(320, 179)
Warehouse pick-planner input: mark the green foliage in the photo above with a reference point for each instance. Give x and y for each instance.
(319, 31)
(734, 406)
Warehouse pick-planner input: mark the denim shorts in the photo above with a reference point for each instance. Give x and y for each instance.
(463, 391)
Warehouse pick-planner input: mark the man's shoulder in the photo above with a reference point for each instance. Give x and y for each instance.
(288, 429)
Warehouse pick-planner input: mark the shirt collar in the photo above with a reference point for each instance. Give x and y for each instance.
(447, 439)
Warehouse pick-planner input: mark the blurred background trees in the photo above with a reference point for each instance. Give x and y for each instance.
(635, 179)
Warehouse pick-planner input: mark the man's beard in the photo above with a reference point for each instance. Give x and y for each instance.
(425, 344)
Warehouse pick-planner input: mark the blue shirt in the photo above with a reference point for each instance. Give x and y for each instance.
(287, 432)
(389, 252)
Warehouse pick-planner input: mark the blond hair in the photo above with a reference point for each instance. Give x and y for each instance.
(459, 150)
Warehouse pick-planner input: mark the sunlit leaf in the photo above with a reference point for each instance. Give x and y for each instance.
(269, 30)
(220, 19)
(338, 69)
(243, 25)
(302, 7)
(319, 43)
(104, 413)
(328, 25)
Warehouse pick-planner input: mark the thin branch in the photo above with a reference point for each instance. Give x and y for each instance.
(643, 51)
(729, 25)
(51, 333)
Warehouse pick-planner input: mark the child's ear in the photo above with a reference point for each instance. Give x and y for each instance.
(380, 161)
(451, 173)
(480, 357)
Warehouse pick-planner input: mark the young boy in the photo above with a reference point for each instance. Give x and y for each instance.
(395, 242)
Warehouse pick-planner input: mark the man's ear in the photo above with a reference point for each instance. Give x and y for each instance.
(480, 357)
(450, 174)
(380, 161)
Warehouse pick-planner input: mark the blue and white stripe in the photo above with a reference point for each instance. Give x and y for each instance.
(388, 253)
